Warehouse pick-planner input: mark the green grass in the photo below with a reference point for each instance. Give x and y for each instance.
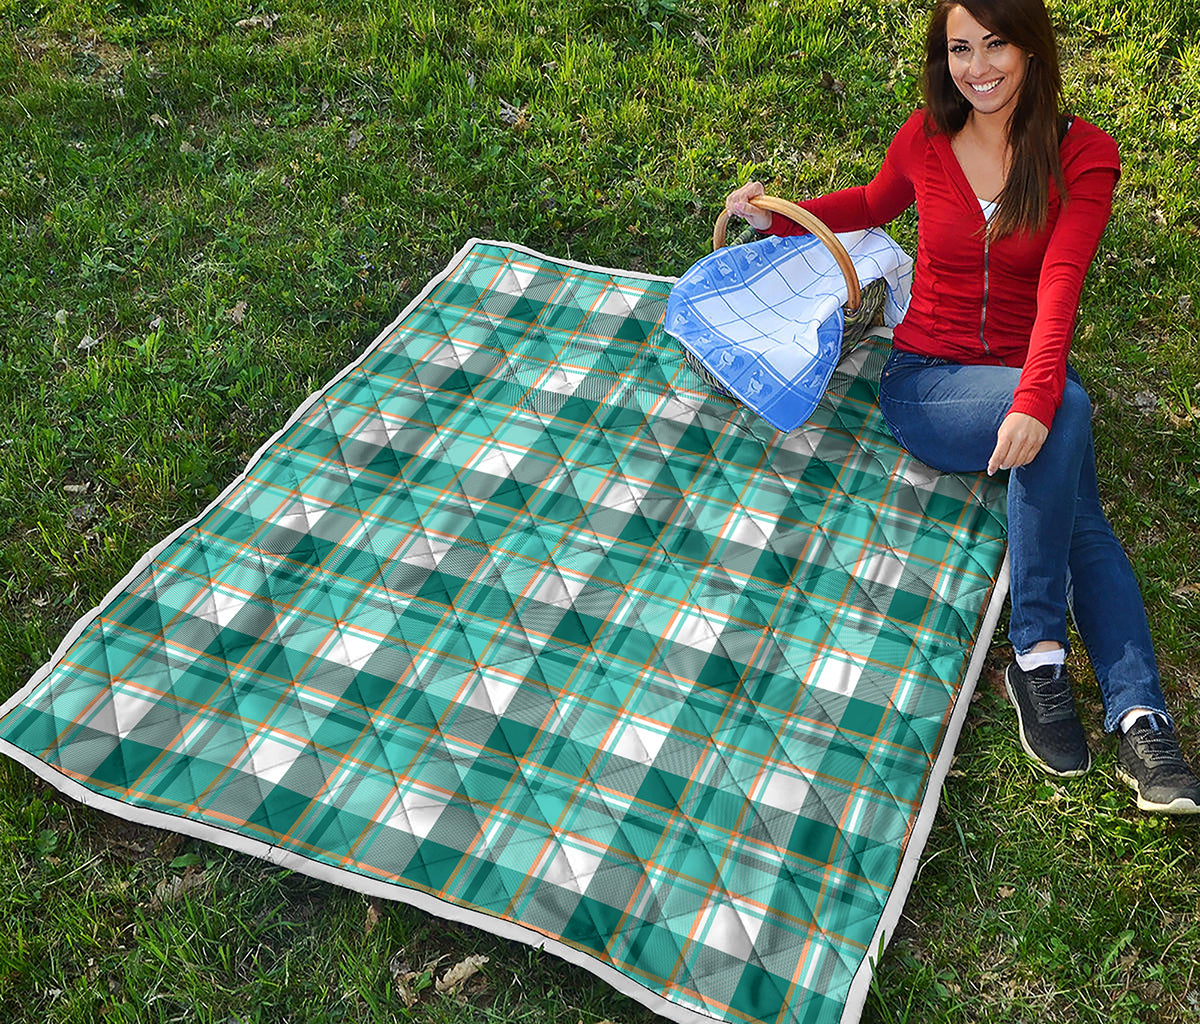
(230, 215)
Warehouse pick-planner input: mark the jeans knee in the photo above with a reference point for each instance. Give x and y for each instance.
(1076, 409)
(1072, 426)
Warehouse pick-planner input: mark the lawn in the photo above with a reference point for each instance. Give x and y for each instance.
(207, 209)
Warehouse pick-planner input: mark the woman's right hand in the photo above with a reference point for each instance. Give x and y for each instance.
(737, 204)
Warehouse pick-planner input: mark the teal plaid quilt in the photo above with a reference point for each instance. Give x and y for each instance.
(515, 621)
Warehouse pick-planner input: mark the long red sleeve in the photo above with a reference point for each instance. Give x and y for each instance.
(1069, 253)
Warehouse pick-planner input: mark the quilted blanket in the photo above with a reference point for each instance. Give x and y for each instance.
(517, 622)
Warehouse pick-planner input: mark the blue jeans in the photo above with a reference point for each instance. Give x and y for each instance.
(1062, 549)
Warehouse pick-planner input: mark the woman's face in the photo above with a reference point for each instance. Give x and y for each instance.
(987, 69)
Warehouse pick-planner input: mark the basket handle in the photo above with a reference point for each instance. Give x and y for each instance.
(806, 220)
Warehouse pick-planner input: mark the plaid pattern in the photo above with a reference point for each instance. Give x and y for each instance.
(517, 614)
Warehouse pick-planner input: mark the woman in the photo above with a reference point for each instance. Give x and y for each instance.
(1012, 198)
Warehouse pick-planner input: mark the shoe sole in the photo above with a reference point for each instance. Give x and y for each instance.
(1073, 773)
(1180, 805)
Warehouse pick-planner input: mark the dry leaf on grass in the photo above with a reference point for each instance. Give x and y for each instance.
(513, 115)
(460, 972)
(374, 913)
(257, 21)
(171, 889)
(405, 979)
(404, 989)
(1145, 401)
(238, 313)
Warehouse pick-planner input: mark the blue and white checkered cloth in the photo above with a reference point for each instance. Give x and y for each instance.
(766, 319)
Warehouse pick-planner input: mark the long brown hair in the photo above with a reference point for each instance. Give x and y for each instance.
(1036, 123)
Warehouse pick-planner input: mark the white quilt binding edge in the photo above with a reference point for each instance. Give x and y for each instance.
(860, 984)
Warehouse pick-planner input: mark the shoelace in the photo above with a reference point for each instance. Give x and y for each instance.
(1053, 695)
(1159, 749)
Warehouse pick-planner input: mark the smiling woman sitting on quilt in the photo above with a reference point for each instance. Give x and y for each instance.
(1012, 197)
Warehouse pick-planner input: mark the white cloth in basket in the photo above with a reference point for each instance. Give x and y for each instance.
(766, 318)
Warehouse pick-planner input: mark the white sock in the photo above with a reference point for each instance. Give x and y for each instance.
(1037, 659)
(1130, 717)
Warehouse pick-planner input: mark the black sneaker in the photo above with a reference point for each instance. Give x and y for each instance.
(1149, 760)
(1051, 732)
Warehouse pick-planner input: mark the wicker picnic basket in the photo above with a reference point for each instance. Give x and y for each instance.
(861, 310)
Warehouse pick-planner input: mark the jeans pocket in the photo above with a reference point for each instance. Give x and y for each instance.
(900, 362)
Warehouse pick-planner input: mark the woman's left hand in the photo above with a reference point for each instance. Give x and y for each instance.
(1018, 441)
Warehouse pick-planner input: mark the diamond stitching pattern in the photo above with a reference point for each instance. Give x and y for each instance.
(519, 615)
